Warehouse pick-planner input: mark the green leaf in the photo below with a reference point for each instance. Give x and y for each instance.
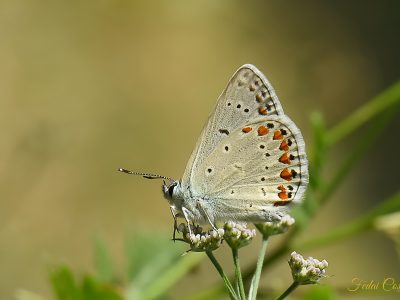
(147, 253)
(155, 264)
(63, 284)
(102, 261)
(171, 275)
(66, 288)
(92, 290)
(320, 292)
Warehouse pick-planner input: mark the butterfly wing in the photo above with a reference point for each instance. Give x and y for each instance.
(254, 173)
(247, 96)
(250, 160)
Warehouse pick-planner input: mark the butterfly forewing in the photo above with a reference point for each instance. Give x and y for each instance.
(248, 96)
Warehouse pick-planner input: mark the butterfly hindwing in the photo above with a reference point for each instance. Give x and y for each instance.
(259, 167)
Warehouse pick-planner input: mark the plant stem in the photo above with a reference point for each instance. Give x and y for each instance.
(231, 290)
(257, 273)
(356, 153)
(290, 289)
(383, 101)
(356, 226)
(238, 274)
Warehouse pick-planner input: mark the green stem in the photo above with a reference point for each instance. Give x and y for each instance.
(289, 290)
(231, 290)
(238, 274)
(366, 112)
(356, 226)
(356, 153)
(257, 273)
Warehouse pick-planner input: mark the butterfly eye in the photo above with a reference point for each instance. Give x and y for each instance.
(171, 189)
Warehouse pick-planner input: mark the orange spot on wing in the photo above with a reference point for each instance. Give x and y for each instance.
(262, 110)
(262, 130)
(278, 135)
(258, 98)
(247, 129)
(282, 188)
(286, 174)
(284, 145)
(283, 195)
(285, 159)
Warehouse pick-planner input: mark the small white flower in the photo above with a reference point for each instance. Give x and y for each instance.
(200, 241)
(276, 227)
(238, 235)
(307, 271)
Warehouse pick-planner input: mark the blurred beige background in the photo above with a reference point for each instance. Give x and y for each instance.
(90, 86)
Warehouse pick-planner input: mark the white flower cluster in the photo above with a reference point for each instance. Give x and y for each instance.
(202, 241)
(277, 227)
(307, 271)
(238, 235)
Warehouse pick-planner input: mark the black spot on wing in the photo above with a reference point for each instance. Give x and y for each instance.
(224, 131)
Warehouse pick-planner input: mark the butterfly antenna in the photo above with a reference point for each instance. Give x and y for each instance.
(145, 175)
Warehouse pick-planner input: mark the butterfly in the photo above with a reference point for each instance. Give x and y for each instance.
(249, 163)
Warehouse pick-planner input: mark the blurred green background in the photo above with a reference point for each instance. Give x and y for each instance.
(90, 86)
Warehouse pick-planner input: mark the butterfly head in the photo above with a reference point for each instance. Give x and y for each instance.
(173, 193)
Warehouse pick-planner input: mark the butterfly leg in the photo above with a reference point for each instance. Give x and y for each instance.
(185, 212)
(206, 215)
(175, 223)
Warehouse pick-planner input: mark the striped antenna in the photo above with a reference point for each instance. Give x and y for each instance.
(145, 175)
